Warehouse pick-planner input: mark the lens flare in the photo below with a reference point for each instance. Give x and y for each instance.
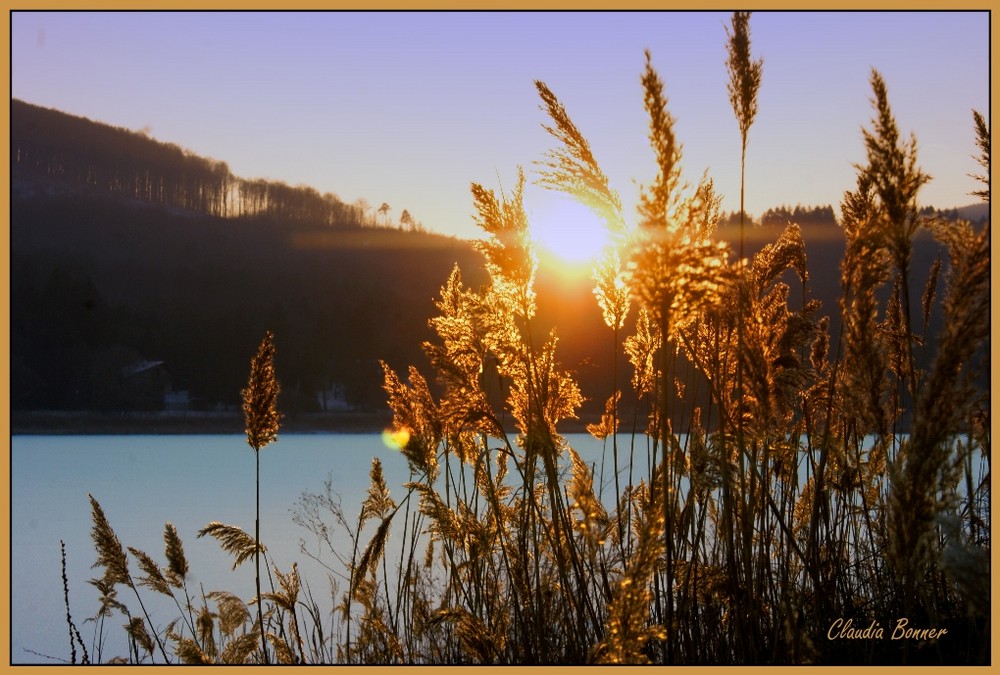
(396, 439)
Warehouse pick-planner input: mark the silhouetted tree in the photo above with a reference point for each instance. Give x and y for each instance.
(361, 209)
(85, 156)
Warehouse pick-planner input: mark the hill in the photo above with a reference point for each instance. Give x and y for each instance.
(143, 277)
(109, 274)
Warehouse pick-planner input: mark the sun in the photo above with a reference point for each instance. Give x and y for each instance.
(567, 231)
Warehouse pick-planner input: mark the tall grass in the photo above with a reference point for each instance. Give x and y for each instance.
(766, 494)
(260, 411)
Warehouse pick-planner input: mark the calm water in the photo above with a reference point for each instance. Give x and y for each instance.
(141, 483)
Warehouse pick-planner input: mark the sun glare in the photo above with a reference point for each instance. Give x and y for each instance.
(396, 439)
(568, 231)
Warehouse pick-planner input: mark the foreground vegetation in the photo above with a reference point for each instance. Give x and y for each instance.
(768, 500)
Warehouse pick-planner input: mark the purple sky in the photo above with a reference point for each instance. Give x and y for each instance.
(410, 108)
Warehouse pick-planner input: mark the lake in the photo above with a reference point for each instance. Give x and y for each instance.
(141, 483)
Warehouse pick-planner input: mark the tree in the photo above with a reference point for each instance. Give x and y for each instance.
(361, 208)
(406, 221)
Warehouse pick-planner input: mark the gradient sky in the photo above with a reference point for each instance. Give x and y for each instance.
(410, 108)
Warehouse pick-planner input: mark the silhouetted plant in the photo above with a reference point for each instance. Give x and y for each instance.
(748, 523)
(983, 143)
(260, 410)
(772, 486)
(744, 83)
(112, 557)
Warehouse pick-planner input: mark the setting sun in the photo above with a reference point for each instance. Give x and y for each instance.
(566, 230)
(544, 385)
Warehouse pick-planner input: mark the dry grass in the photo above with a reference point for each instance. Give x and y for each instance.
(769, 487)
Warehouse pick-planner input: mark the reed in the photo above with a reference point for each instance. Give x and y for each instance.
(767, 484)
(74, 633)
(260, 410)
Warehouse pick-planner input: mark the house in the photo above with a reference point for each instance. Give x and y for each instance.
(333, 399)
(148, 385)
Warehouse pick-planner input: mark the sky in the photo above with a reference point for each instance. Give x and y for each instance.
(411, 108)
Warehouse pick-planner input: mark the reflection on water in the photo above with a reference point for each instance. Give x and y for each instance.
(141, 483)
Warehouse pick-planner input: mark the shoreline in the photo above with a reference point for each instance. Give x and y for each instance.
(85, 423)
(88, 423)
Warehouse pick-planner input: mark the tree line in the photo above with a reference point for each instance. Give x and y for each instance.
(92, 292)
(52, 146)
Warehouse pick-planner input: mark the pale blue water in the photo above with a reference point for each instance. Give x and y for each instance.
(141, 483)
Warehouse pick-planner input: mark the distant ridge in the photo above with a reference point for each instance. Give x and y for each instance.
(125, 249)
(68, 153)
(974, 212)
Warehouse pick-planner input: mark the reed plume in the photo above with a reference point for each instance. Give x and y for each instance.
(231, 611)
(415, 414)
(983, 143)
(239, 649)
(927, 469)
(136, 630)
(744, 82)
(896, 179)
(260, 412)
(154, 578)
(260, 398)
(110, 552)
(111, 555)
(177, 564)
(775, 486)
(286, 599)
(571, 167)
(234, 541)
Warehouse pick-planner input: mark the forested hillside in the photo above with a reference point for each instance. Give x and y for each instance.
(126, 253)
(75, 153)
(139, 268)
